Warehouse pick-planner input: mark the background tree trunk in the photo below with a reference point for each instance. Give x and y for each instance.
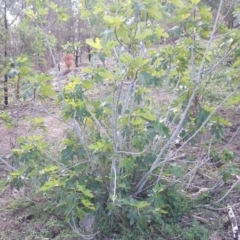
(5, 54)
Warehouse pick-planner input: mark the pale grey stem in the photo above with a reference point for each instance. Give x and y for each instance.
(160, 139)
(76, 230)
(206, 121)
(98, 123)
(143, 181)
(226, 194)
(131, 105)
(231, 139)
(60, 120)
(114, 182)
(81, 136)
(8, 165)
(219, 61)
(192, 63)
(199, 163)
(194, 171)
(132, 153)
(171, 101)
(115, 141)
(126, 99)
(227, 13)
(233, 220)
(199, 129)
(75, 165)
(50, 157)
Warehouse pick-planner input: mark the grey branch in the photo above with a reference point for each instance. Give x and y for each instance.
(8, 165)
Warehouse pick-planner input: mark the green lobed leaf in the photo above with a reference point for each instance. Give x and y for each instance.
(97, 44)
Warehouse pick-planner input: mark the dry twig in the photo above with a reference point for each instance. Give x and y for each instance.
(233, 220)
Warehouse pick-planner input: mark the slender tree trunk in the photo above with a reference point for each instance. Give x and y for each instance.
(18, 87)
(5, 55)
(89, 53)
(76, 56)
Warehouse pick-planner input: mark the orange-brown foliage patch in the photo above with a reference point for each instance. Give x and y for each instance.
(68, 60)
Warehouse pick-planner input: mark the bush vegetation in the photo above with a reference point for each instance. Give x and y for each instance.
(144, 115)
